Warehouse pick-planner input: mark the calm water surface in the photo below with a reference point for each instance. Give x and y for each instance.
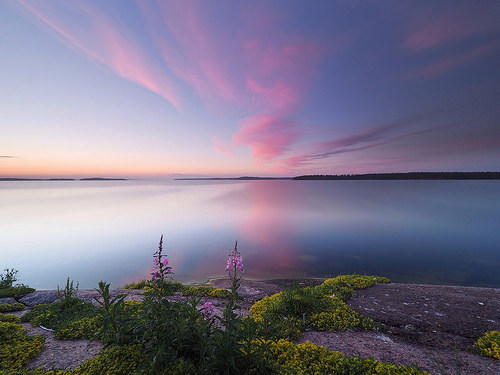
(410, 231)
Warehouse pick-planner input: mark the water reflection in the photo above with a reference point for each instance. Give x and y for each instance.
(414, 231)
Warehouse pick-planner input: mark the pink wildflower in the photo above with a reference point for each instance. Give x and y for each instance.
(207, 310)
(234, 261)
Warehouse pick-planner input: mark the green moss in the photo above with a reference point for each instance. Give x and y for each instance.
(7, 307)
(17, 348)
(488, 345)
(84, 328)
(116, 360)
(9, 318)
(77, 319)
(186, 290)
(139, 285)
(321, 307)
(204, 291)
(285, 357)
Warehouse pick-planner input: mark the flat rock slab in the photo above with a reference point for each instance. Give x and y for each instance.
(7, 300)
(435, 315)
(39, 297)
(62, 354)
(391, 348)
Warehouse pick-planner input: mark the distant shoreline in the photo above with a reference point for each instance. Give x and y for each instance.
(62, 179)
(407, 176)
(367, 176)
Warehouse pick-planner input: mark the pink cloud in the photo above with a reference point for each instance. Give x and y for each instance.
(279, 95)
(220, 147)
(279, 70)
(105, 42)
(452, 62)
(467, 20)
(190, 49)
(268, 136)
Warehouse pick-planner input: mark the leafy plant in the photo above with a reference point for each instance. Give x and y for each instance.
(8, 278)
(69, 293)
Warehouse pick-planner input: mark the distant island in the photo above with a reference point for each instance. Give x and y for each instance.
(102, 179)
(245, 178)
(62, 179)
(407, 176)
(368, 176)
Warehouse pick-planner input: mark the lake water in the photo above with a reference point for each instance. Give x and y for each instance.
(410, 231)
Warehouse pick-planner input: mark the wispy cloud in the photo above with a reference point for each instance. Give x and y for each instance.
(104, 41)
(189, 47)
(470, 19)
(452, 62)
(7, 156)
(360, 141)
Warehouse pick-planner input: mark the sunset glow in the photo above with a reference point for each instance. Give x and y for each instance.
(264, 88)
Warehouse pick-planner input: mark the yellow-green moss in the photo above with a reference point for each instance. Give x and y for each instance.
(84, 328)
(17, 348)
(9, 318)
(204, 291)
(78, 319)
(6, 307)
(340, 317)
(489, 344)
(321, 307)
(307, 358)
(116, 360)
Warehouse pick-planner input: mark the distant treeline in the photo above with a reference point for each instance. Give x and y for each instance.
(62, 179)
(407, 176)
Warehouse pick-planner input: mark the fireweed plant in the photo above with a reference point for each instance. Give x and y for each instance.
(160, 336)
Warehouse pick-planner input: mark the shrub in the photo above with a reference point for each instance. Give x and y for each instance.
(15, 291)
(8, 278)
(488, 345)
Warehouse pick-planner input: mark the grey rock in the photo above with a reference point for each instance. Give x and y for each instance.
(39, 297)
(7, 300)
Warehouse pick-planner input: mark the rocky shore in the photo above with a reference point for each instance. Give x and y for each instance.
(432, 326)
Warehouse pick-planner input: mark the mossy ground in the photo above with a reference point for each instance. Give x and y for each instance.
(69, 319)
(16, 348)
(185, 290)
(320, 307)
(8, 307)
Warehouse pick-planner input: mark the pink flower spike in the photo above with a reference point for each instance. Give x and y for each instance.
(206, 310)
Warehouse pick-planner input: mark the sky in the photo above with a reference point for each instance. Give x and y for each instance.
(144, 89)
